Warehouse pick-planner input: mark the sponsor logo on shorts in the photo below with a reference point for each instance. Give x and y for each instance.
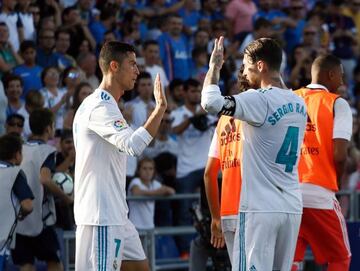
(119, 124)
(253, 268)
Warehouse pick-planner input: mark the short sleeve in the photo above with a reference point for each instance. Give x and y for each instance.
(50, 162)
(21, 188)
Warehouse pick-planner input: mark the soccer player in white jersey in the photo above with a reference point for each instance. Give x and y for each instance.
(105, 238)
(273, 127)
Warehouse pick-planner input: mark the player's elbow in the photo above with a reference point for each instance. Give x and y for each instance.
(211, 104)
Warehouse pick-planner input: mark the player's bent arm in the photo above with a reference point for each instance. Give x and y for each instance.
(108, 123)
(45, 179)
(341, 135)
(250, 106)
(211, 186)
(23, 193)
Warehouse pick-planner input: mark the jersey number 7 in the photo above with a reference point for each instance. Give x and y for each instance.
(287, 153)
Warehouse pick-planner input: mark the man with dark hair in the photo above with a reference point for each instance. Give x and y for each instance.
(62, 45)
(13, 185)
(174, 51)
(105, 238)
(273, 128)
(152, 59)
(36, 237)
(321, 166)
(29, 71)
(14, 124)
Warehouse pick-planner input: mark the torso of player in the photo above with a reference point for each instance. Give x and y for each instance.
(230, 149)
(270, 155)
(316, 165)
(100, 167)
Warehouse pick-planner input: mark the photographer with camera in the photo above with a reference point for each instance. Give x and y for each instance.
(194, 132)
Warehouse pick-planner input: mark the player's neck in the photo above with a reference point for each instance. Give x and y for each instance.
(110, 85)
(273, 79)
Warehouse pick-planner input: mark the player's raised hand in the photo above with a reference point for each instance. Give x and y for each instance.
(159, 93)
(217, 55)
(217, 237)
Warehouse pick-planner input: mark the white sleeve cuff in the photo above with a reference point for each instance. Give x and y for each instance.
(144, 135)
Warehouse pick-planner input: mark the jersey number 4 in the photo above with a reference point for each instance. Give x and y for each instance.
(287, 153)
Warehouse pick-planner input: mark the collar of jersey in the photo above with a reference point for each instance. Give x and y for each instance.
(36, 141)
(4, 164)
(112, 99)
(316, 86)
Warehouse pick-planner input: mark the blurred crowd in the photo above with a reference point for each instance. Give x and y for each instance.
(48, 58)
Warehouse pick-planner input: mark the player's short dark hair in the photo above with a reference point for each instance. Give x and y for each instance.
(191, 82)
(40, 119)
(114, 51)
(26, 44)
(9, 145)
(267, 50)
(149, 43)
(325, 62)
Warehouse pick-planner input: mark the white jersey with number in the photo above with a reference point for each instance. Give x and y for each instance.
(273, 130)
(102, 140)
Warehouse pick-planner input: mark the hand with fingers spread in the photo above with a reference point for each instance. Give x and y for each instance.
(217, 237)
(159, 94)
(217, 55)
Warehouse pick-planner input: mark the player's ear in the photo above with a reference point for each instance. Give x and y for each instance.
(114, 65)
(261, 66)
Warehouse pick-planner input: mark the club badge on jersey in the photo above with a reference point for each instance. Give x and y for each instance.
(120, 124)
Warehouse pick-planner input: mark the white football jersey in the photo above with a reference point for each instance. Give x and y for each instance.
(102, 140)
(273, 130)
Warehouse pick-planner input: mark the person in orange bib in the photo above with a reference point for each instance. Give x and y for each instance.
(225, 154)
(322, 161)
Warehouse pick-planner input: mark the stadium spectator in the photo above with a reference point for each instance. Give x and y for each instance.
(33, 100)
(174, 51)
(29, 72)
(13, 21)
(152, 59)
(141, 213)
(8, 54)
(199, 63)
(62, 45)
(71, 78)
(13, 90)
(294, 24)
(87, 63)
(191, 17)
(45, 55)
(300, 69)
(240, 13)
(176, 93)
(106, 23)
(35, 11)
(78, 29)
(343, 35)
(15, 124)
(82, 90)
(26, 17)
(55, 98)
